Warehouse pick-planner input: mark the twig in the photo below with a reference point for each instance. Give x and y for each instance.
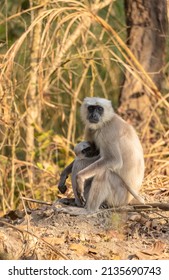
(36, 201)
(157, 206)
(129, 208)
(56, 251)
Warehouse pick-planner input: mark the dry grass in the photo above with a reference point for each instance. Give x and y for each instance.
(80, 54)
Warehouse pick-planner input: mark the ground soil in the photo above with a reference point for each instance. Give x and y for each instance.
(45, 233)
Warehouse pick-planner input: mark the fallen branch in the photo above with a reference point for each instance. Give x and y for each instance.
(129, 208)
(36, 201)
(156, 206)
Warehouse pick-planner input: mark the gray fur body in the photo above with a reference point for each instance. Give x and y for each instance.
(121, 159)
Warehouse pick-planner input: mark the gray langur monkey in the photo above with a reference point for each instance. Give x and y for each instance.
(85, 155)
(120, 167)
(121, 161)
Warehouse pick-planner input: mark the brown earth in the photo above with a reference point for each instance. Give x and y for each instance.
(45, 233)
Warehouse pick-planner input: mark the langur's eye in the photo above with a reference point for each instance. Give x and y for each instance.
(100, 109)
(91, 108)
(84, 151)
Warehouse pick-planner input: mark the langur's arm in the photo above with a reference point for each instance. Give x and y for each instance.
(64, 175)
(110, 160)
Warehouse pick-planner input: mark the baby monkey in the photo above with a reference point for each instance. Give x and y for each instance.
(86, 154)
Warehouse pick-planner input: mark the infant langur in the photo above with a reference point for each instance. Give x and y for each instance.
(86, 154)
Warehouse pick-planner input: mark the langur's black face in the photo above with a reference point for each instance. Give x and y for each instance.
(94, 113)
(86, 151)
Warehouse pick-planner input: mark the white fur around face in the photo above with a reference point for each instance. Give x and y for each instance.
(97, 101)
(93, 101)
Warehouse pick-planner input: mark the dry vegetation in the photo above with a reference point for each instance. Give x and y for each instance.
(68, 50)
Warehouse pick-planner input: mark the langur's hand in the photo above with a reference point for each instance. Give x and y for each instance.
(61, 185)
(82, 199)
(62, 189)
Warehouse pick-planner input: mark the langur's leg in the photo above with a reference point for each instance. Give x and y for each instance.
(108, 188)
(79, 165)
(87, 186)
(132, 194)
(99, 191)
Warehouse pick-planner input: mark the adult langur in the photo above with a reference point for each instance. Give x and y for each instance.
(119, 170)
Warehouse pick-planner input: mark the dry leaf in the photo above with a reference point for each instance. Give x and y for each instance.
(55, 240)
(134, 217)
(79, 248)
(158, 247)
(114, 257)
(114, 234)
(156, 252)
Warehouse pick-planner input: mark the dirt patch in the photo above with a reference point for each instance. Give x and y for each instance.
(46, 234)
